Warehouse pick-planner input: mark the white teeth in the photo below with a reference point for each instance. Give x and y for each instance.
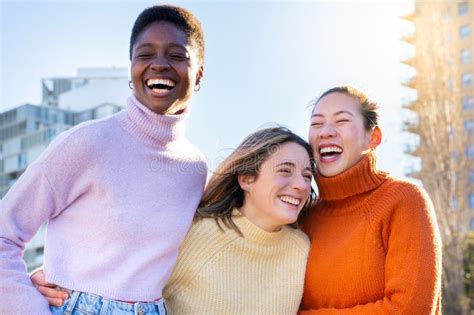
(151, 82)
(290, 200)
(330, 150)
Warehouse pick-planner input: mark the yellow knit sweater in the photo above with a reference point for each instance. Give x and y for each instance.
(222, 273)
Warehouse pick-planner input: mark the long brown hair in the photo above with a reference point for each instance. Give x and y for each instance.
(223, 192)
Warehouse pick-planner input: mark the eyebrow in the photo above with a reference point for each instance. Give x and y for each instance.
(335, 114)
(173, 45)
(292, 165)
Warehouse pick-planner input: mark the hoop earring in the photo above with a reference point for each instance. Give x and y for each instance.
(197, 87)
(130, 85)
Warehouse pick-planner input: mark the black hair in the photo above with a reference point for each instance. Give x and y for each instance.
(180, 17)
(369, 107)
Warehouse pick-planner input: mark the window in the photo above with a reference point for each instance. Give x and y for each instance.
(467, 79)
(469, 126)
(452, 132)
(466, 55)
(471, 201)
(464, 31)
(463, 8)
(470, 152)
(455, 155)
(22, 161)
(468, 102)
(454, 204)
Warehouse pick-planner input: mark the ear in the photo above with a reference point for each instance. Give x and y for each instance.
(376, 138)
(199, 74)
(245, 182)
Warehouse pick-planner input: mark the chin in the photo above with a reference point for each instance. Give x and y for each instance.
(332, 171)
(289, 220)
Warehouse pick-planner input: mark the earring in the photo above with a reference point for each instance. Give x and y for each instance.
(130, 85)
(197, 87)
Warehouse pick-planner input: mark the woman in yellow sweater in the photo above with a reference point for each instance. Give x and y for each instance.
(375, 245)
(243, 254)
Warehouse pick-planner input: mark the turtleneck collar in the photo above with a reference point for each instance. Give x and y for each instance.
(254, 233)
(360, 178)
(153, 128)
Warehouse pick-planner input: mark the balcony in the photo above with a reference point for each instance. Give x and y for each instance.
(408, 37)
(413, 170)
(413, 173)
(411, 149)
(411, 125)
(409, 81)
(409, 103)
(410, 61)
(410, 17)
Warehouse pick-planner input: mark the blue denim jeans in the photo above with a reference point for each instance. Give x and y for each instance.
(80, 303)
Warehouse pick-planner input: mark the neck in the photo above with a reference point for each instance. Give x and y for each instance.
(361, 177)
(260, 221)
(153, 128)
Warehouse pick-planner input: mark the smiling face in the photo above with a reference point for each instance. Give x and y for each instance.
(276, 196)
(337, 133)
(164, 68)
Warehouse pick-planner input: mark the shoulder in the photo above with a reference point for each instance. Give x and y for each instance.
(400, 199)
(206, 235)
(189, 152)
(188, 159)
(298, 239)
(403, 192)
(204, 241)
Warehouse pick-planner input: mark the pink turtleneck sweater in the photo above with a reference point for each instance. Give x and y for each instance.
(119, 195)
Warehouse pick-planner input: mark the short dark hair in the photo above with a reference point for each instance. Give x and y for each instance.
(180, 17)
(369, 107)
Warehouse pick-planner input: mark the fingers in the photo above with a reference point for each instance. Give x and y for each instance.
(52, 293)
(39, 279)
(54, 296)
(55, 301)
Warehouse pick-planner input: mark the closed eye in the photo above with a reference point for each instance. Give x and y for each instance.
(178, 57)
(342, 120)
(144, 56)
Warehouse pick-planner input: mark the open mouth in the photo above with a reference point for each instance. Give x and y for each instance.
(160, 85)
(290, 200)
(327, 153)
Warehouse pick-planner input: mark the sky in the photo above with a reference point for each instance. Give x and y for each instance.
(265, 61)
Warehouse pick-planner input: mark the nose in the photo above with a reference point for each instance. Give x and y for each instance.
(327, 131)
(160, 63)
(300, 183)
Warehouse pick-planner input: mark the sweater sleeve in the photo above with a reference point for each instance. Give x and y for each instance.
(47, 186)
(413, 260)
(28, 204)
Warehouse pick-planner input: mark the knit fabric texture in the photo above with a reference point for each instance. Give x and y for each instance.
(220, 272)
(375, 246)
(119, 195)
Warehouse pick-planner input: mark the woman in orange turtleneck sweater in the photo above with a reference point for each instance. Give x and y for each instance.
(375, 245)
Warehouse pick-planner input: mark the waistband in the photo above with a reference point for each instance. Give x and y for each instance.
(101, 305)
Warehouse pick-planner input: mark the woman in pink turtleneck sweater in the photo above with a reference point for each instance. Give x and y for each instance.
(119, 194)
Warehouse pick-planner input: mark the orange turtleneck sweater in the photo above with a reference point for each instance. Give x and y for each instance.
(375, 246)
